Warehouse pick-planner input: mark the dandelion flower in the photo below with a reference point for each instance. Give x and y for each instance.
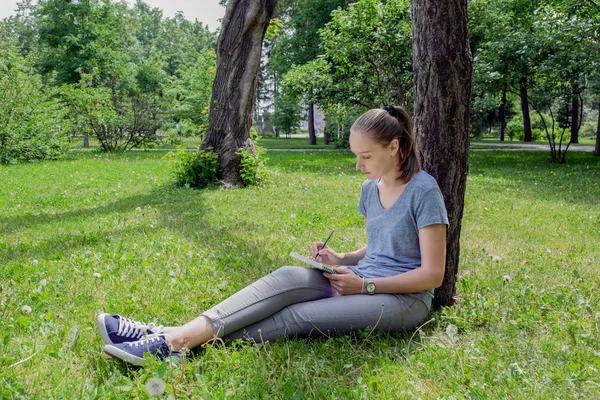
(26, 309)
(451, 330)
(97, 275)
(155, 386)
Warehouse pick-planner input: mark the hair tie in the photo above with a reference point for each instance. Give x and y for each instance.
(391, 110)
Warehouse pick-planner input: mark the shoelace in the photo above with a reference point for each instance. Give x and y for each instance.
(131, 328)
(146, 341)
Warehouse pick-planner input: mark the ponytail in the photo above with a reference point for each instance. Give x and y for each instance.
(387, 124)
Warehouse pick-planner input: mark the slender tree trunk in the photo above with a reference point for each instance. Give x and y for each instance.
(528, 136)
(238, 58)
(311, 124)
(503, 113)
(575, 114)
(442, 64)
(597, 149)
(86, 140)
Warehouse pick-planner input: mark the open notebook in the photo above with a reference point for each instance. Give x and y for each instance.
(313, 263)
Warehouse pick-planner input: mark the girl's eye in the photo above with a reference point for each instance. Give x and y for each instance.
(366, 157)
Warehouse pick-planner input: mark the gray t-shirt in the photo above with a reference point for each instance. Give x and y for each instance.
(393, 233)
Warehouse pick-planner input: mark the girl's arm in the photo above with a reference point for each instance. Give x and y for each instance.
(430, 274)
(432, 242)
(353, 257)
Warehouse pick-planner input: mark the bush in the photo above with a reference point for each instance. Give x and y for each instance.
(195, 169)
(32, 124)
(253, 170)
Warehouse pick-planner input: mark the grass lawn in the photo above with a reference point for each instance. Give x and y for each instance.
(527, 307)
(583, 141)
(194, 142)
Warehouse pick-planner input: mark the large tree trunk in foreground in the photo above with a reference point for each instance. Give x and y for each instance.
(527, 134)
(597, 149)
(238, 58)
(442, 71)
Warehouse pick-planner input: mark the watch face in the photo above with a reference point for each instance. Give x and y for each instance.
(371, 287)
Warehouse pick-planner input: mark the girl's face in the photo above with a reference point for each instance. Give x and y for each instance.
(373, 159)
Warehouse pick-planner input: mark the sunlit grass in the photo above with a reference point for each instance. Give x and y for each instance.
(527, 309)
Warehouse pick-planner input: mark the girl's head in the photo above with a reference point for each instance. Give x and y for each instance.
(383, 142)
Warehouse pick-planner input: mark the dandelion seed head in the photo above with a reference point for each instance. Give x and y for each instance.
(43, 282)
(35, 262)
(97, 275)
(26, 309)
(155, 386)
(451, 330)
(138, 209)
(496, 258)
(507, 278)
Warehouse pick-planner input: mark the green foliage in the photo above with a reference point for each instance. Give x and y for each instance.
(32, 124)
(190, 93)
(287, 114)
(196, 169)
(253, 170)
(121, 117)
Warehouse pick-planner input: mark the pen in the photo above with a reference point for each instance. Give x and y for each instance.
(324, 243)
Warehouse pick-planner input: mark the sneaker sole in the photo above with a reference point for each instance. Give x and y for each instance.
(102, 329)
(123, 355)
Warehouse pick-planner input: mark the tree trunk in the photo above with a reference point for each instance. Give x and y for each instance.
(528, 136)
(238, 58)
(575, 114)
(86, 140)
(503, 114)
(311, 124)
(597, 149)
(442, 64)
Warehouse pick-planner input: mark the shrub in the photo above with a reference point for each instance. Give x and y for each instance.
(32, 124)
(253, 170)
(195, 169)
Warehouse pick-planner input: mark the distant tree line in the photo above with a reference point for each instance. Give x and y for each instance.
(535, 72)
(95, 67)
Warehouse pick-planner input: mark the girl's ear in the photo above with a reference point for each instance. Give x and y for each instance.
(394, 147)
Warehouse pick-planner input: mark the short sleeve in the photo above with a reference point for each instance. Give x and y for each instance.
(362, 202)
(430, 209)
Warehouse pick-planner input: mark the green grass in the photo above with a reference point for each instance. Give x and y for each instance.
(583, 141)
(527, 304)
(194, 142)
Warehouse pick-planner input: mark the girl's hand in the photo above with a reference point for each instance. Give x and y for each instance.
(326, 255)
(345, 281)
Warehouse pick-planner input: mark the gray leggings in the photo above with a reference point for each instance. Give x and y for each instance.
(300, 301)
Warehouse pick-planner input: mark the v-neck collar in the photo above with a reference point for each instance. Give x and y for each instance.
(399, 197)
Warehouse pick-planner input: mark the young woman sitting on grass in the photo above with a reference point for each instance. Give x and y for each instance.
(387, 285)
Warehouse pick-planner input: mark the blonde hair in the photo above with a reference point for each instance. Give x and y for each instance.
(387, 124)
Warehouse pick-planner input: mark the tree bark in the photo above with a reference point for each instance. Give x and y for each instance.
(239, 49)
(311, 124)
(503, 113)
(597, 149)
(442, 65)
(527, 134)
(575, 114)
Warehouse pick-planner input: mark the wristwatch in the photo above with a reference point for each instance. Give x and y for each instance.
(370, 286)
